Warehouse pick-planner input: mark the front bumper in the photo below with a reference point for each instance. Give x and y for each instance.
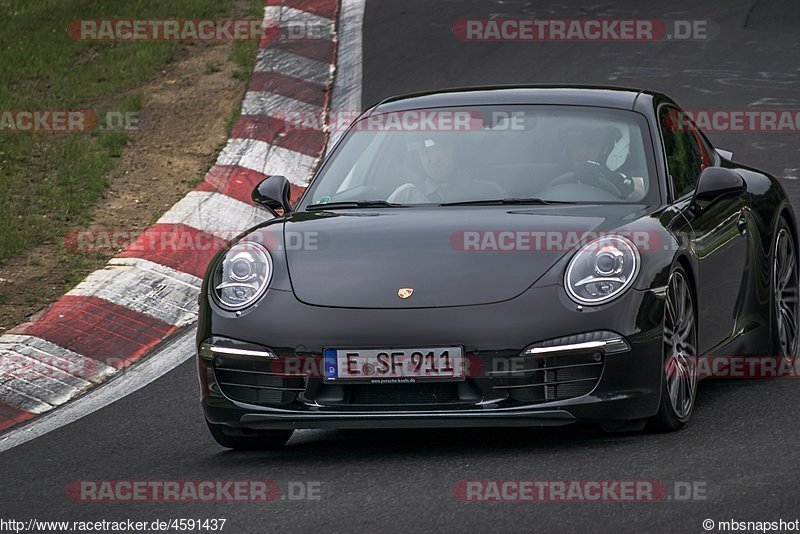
(435, 419)
(243, 391)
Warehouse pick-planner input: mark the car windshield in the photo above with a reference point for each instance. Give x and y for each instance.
(508, 154)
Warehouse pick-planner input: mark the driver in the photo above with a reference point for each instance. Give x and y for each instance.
(439, 181)
(586, 152)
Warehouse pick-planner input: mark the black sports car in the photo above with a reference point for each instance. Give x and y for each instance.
(498, 256)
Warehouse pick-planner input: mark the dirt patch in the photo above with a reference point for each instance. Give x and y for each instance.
(181, 127)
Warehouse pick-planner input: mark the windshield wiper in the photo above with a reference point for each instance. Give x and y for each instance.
(506, 201)
(354, 204)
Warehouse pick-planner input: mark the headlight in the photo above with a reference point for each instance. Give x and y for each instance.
(244, 276)
(602, 270)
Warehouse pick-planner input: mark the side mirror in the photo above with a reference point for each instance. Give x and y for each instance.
(715, 182)
(726, 154)
(273, 194)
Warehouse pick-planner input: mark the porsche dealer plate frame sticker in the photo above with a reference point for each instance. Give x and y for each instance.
(394, 366)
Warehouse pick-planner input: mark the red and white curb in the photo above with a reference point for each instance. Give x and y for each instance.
(122, 312)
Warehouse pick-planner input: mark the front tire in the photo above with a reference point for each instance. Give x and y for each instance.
(257, 441)
(784, 295)
(679, 371)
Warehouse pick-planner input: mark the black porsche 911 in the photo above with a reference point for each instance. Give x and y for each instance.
(508, 256)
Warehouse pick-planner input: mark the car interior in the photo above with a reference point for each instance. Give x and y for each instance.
(532, 160)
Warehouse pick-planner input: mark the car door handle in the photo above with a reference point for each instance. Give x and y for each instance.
(742, 222)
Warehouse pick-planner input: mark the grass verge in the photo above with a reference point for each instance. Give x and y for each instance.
(49, 181)
(52, 184)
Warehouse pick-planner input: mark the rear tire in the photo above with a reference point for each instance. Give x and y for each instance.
(257, 441)
(679, 370)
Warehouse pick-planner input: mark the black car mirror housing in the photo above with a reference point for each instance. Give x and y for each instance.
(715, 182)
(273, 194)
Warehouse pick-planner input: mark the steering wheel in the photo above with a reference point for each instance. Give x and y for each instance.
(591, 173)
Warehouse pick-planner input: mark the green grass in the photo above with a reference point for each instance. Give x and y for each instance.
(244, 52)
(49, 181)
(115, 141)
(76, 267)
(212, 67)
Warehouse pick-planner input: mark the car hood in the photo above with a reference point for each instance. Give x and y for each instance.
(452, 256)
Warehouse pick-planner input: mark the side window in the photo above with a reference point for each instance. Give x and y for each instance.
(686, 155)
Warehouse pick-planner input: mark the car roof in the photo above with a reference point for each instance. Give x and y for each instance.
(577, 95)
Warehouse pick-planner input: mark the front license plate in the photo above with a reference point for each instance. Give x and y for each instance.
(394, 366)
